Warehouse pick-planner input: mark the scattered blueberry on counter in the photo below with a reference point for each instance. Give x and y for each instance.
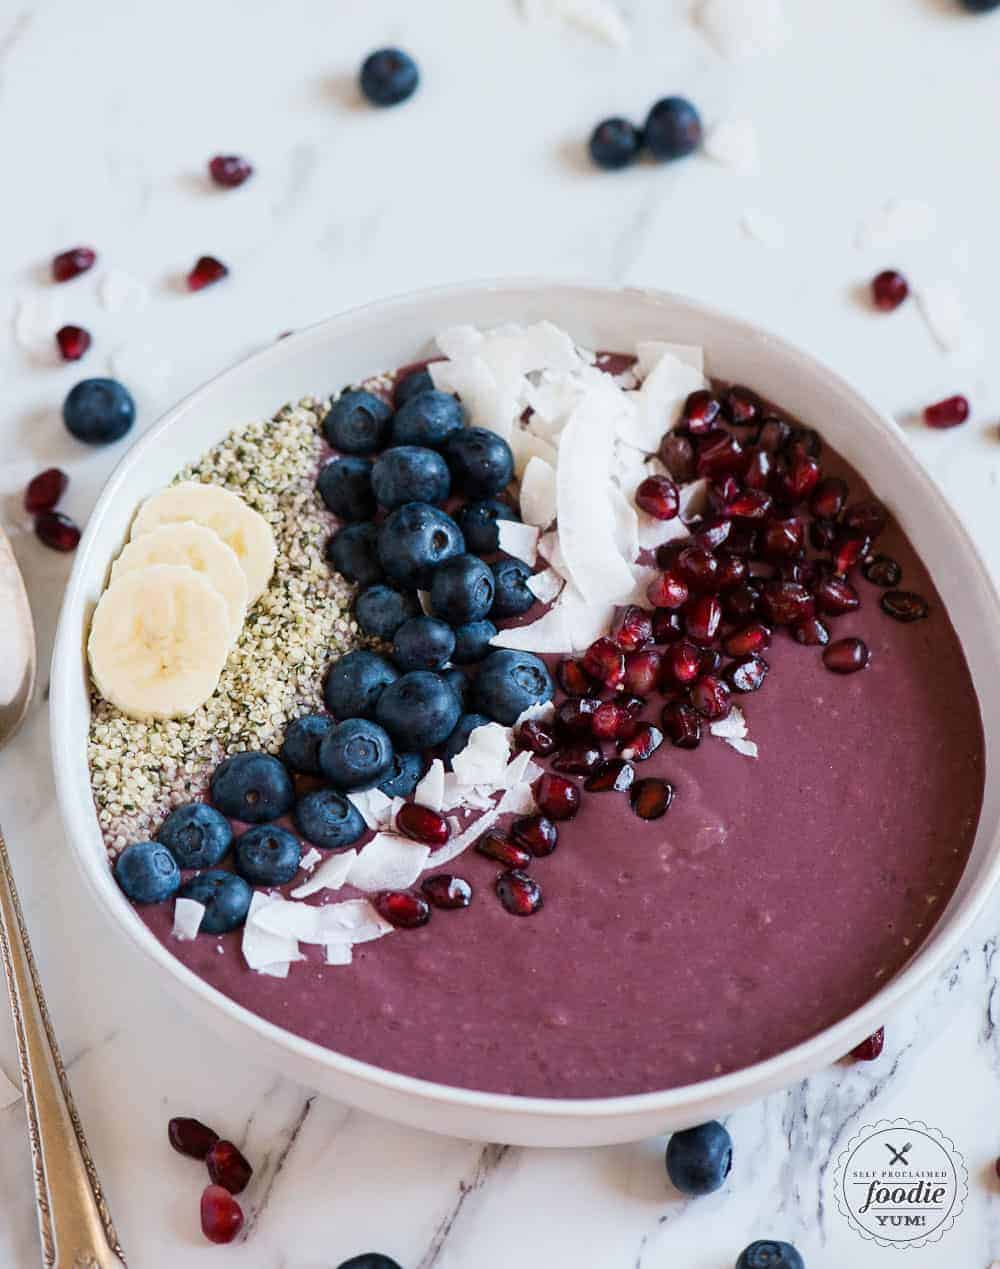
(699, 1159)
(99, 411)
(388, 77)
(765, 1254)
(614, 143)
(673, 129)
(369, 1260)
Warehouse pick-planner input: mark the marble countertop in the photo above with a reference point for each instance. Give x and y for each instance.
(104, 131)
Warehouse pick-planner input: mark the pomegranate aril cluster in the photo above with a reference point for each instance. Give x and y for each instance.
(55, 530)
(229, 1174)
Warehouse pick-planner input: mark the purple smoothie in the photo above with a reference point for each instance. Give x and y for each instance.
(774, 897)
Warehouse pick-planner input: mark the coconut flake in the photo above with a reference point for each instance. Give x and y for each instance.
(310, 859)
(267, 950)
(763, 228)
(599, 18)
(485, 756)
(374, 806)
(745, 747)
(543, 711)
(36, 320)
(120, 292)
(549, 549)
(519, 540)
(650, 352)
(742, 29)
(188, 914)
(659, 402)
(516, 769)
(351, 921)
(526, 444)
(339, 954)
(430, 791)
(733, 142)
(538, 494)
(548, 634)
(545, 586)
(388, 862)
(330, 875)
(733, 725)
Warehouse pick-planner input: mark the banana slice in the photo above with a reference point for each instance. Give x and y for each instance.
(192, 546)
(239, 526)
(158, 641)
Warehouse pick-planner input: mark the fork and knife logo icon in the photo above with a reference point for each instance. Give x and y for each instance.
(899, 1156)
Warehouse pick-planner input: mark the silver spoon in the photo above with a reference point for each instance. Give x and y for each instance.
(73, 1218)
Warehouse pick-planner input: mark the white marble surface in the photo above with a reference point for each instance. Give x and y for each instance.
(107, 115)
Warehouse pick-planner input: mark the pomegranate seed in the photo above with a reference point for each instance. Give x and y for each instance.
(536, 833)
(681, 664)
(846, 656)
(755, 637)
(785, 603)
(615, 775)
(669, 590)
(651, 798)
(947, 413)
(823, 534)
(422, 824)
(700, 412)
(73, 342)
(229, 170)
(643, 744)
(720, 453)
(811, 632)
(868, 518)
(677, 455)
(699, 568)
(605, 662)
(577, 759)
(805, 441)
(612, 721)
(573, 717)
(70, 264)
(774, 435)
(889, 290)
(702, 615)
(668, 626)
(710, 534)
(557, 797)
(740, 406)
(228, 1167)
(658, 497)
(537, 737)
(45, 490)
(802, 571)
(682, 724)
(882, 570)
(751, 504)
(221, 1215)
(848, 549)
(191, 1137)
(868, 1050)
(782, 539)
(520, 894)
(741, 603)
(206, 271)
(795, 480)
(747, 674)
(711, 698)
(829, 498)
(57, 531)
(505, 852)
(573, 678)
(721, 492)
(835, 596)
(732, 571)
(904, 605)
(642, 671)
(633, 629)
(710, 661)
(757, 474)
(743, 540)
(446, 891)
(402, 909)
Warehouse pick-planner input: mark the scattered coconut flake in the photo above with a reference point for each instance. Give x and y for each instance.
(263, 948)
(188, 914)
(519, 540)
(898, 222)
(484, 759)
(9, 1093)
(549, 549)
(734, 724)
(278, 970)
(430, 791)
(746, 747)
(120, 292)
(374, 805)
(733, 142)
(599, 18)
(350, 921)
(388, 862)
(460, 842)
(543, 712)
(310, 859)
(516, 769)
(763, 228)
(650, 352)
(537, 495)
(659, 402)
(741, 29)
(549, 633)
(339, 954)
(36, 320)
(330, 875)
(585, 621)
(626, 519)
(526, 444)
(520, 800)
(546, 585)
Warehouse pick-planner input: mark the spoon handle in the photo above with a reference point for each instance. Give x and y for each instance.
(73, 1218)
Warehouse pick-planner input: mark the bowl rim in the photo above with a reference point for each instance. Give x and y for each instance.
(731, 1088)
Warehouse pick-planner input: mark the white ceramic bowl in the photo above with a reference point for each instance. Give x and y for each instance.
(393, 332)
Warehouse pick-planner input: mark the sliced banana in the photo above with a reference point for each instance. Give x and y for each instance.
(158, 642)
(192, 546)
(239, 526)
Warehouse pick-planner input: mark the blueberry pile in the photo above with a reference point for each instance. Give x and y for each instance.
(672, 131)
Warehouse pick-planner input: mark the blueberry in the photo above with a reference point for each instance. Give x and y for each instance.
(389, 76)
(478, 522)
(765, 1254)
(410, 473)
(147, 872)
(369, 1260)
(459, 738)
(423, 643)
(410, 386)
(253, 787)
(419, 710)
(303, 737)
(196, 835)
(980, 6)
(460, 684)
(328, 819)
(699, 1159)
(427, 418)
(512, 594)
(472, 641)
(673, 128)
(99, 411)
(413, 540)
(356, 755)
(508, 682)
(481, 462)
(345, 485)
(380, 610)
(226, 898)
(353, 552)
(355, 682)
(462, 590)
(407, 770)
(614, 143)
(358, 422)
(268, 855)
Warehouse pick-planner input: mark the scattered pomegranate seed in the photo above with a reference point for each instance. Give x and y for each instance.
(741, 603)
(642, 671)
(747, 674)
(57, 531)
(669, 590)
(536, 833)
(774, 435)
(605, 662)
(718, 454)
(889, 290)
(712, 698)
(73, 342)
(422, 824)
(402, 909)
(835, 596)
(702, 615)
(947, 413)
(882, 570)
(757, 474)
(221, 1215)
(849, 547)
(668, 626)
(228, 1167)
(643, 744)
(573, 717)
(229, 170)
(868, 1050)
(823, 534)
(846, 656)
(70, 264)
(633, 629)
(732, 571)
(829, 498)
(868, 518)
(520, 894)
(191, 1137)
(677, 455)
(658, 497)
(785, 603)
(537, 737)
(612, 721)
(711, 533)
(557, 797)
(682, 723)
(206, 271)
(573, 678)
(651, 798)
(577, 759)
(783, 539)
(45, 490)
(756, 637)
(751, 504)
(740, 405)
(699, 568)
(904, 605)
(493, 846)
(614, 775)
(446, 891)
(811, 632)
(681, 663)
(700, 412)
